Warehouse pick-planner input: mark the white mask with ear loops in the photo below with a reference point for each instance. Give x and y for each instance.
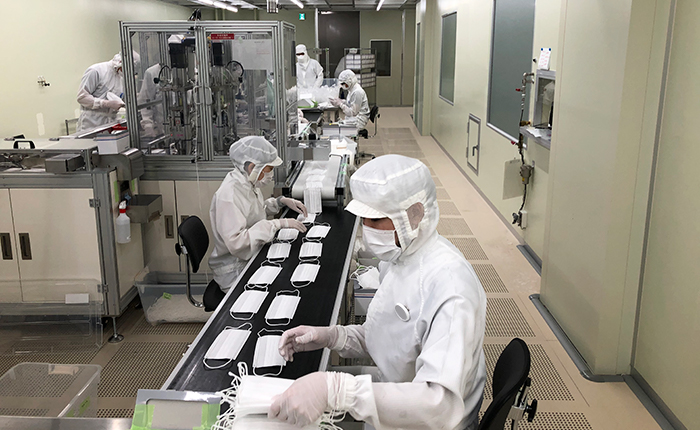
(247, 304)
(279, 251)
(227, 345)
(318, 232)
(264, 276)
(304, 275)
(287, 234)
(381, 243)
(267, 354)
(310, 251)
(282, 308)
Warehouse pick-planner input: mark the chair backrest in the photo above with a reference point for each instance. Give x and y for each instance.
(194, 237)
(373, 113)
(510, 374)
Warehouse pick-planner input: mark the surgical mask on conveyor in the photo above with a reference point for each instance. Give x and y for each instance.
(287, 234)
(265, 275)
(310, 251)
(304, 275)
(227, 345)
(307, 219)
(318, 232)
(278, 251)
(282, 308)
(247, 304)
(267, 354)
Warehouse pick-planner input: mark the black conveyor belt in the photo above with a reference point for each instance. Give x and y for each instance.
(315, 308)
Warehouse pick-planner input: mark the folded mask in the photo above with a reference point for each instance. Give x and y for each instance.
(247, 304)
(267, 354)
(278, 251)
(304, 274)
(318, 232)
(307, 219)
(227, 345)
(282, 308)
(369, 279)
(310, 251)
(265, 275)
(287, 234)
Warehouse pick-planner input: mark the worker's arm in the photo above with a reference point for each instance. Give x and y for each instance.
(351, 342)
(272, 205)
(240, 241)
(319, 75)
(352, 105)
(88, 85)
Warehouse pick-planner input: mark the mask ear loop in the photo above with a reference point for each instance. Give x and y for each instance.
(312, 259)
(264, 332)
(289, 320)
(240, 327)
(307, 283)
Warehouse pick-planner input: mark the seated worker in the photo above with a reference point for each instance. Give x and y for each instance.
(239, 214)
(424, 328)
(355, 106)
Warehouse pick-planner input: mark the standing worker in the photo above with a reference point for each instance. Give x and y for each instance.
(425, 325)
(100, 93)
(239, 214)
(309, 71)
(355, 106)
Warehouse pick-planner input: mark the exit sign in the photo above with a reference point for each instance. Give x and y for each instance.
(302, 17)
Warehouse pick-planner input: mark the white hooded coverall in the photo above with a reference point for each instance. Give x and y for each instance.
(432, 367)
(98, 80)
(309, 71)
(355, 104)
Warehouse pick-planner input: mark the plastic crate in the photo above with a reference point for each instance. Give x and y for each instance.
(164, 298)
(50, 390)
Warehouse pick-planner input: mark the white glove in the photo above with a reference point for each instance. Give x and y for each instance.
(113, 105)
(334, 101)
(294, 205)
(292, 223)
(303, 402)
(307, 338)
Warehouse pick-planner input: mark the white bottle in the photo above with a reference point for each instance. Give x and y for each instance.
(123, 225)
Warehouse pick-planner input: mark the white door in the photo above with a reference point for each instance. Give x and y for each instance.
(10, 290)
(56, 232)
(161, 235)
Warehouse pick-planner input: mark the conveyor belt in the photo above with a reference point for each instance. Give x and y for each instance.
(319, 306)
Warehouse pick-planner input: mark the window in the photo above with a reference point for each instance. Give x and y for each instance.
(511, 56)
(447, 57)
(382, 48)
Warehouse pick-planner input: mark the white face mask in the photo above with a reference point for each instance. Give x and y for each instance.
(267, 352)
(264, 276)
(307, 219)
(318, 232)
(381, 243)
(304, 275)
(255, 395)
(227, 345)
(369, 279)
(267, 178)
(247, 304)
(310, 251)
(287, 234)
(278, 251)
(282, 308)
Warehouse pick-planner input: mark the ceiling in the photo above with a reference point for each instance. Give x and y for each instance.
(332, 5)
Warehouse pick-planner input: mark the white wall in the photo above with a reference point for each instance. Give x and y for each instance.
(59, 40)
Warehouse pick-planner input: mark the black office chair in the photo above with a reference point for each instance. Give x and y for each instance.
(510, 389)
(373, 116)
(195, 242)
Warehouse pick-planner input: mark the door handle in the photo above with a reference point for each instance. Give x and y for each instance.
(6, 245)
(169, 227)
(474, 148)
(25, 246)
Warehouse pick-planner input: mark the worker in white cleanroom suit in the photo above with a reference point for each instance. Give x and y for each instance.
(425, 325)
(355, 106)
(100, 93)
(239, 213)
(309, 71)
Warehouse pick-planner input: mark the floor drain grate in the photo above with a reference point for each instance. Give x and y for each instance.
(557, 421)
(115, 413)
(469, 247)
(442, 193)
(489, 278)
(504, 319)
(143, 327)
(453, 226)
(139, 365)
(448, 208)
(546, 381)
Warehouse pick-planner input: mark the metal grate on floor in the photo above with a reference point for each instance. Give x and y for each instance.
(504, 319)
(143, 327)
(546, 381)
(453, 226)
(557, 421)
(448, 208)
(489, 278)
(469, 247)
(442, 193)
(78, 357)
(115, 413)
(138, 365)
(21, 412)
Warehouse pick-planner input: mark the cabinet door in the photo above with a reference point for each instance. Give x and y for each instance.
(10, 290)
(161, 235)
(56, 232)
(195, 199)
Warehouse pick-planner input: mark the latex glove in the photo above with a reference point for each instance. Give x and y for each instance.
(292, 223)
(303, 402)
(112, 105)
(306, 338)
(294, 205)
(334, 101)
